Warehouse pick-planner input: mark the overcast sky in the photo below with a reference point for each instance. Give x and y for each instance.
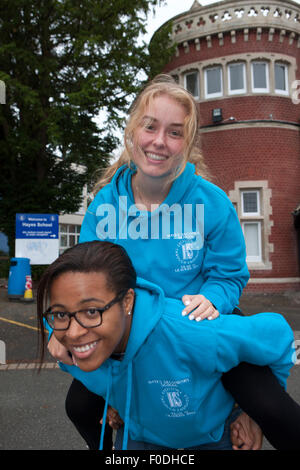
(173, 8)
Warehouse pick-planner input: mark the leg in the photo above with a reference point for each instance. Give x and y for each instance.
(85, 410)
(260, 395)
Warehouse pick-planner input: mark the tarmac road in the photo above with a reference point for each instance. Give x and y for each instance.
(32, 414)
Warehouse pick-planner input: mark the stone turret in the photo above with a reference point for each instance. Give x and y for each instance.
(241, 61)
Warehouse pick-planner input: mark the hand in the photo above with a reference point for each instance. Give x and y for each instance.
(245, 434)
(59, 352)
(199, 307)
(113, 418)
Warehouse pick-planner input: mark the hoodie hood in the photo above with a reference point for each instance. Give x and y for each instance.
(143, 322)
(122, 184)
(144, 221)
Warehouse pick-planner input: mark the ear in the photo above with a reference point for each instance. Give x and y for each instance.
(128, 301)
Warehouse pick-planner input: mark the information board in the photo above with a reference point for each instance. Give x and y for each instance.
(37, 237)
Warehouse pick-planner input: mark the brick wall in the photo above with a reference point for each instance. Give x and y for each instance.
(265, 153)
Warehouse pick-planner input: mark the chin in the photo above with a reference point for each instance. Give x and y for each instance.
(90, 364)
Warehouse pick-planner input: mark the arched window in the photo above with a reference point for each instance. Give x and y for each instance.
(260, 77)
(236, 78)
(191, 83)
(213, 80)
(281, 78)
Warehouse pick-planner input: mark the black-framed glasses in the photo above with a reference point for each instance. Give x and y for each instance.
(87, 317)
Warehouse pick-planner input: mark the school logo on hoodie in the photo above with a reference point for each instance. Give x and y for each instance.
(173, 397)
(187, 252)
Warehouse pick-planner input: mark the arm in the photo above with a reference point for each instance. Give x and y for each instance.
(89, 225)
(263, 339)
(224, 267)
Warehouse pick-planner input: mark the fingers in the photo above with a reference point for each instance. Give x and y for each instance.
(113, 418)
(59, 352)
(245, 434)
(198, 308)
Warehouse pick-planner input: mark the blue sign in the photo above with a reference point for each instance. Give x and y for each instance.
(37, 237)
(37, 226)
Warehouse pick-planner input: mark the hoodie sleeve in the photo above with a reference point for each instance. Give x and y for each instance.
(262, 339)
(88, 227)
(224, 268)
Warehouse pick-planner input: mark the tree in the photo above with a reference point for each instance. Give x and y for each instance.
(62, 62)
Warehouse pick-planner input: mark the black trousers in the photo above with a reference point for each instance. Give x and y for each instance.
(254, 388)
(85, 410)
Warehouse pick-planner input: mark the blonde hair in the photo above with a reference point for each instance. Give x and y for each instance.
(161, 85)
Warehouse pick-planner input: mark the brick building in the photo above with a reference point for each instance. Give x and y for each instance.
(241, 61)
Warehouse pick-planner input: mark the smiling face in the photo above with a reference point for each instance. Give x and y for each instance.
(90, 347)
(159, 140)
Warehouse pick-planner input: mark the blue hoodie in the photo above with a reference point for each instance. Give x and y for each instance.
(168, 388)
(191, 244)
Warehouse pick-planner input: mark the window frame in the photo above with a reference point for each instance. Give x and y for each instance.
(267, 76)
(68, 233)
(250, 214)
(249, 258)
(213, 95)
(286, 76)
(240, 90)
(193, 72)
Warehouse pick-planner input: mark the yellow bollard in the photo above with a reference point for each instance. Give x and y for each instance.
(28, 296)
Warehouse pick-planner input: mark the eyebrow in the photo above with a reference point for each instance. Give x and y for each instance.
(90, 299)
(156, 120)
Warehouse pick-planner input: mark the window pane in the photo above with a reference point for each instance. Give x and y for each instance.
(280, 77)
(69, 236)
(252, 239)
(250, 202)
(259, 75)
(192, 83)
(64, 240)
(213, 80)
(72, 240)
(236, 77)
(71, 228)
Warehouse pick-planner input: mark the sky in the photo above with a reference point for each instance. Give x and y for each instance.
(165, 12)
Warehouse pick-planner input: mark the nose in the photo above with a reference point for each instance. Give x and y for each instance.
(159, 139)
(75, 330)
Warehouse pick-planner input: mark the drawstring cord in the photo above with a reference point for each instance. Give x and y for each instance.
(105, 409)
(127, 409)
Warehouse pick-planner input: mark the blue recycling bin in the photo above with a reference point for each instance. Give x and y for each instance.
(19, 269)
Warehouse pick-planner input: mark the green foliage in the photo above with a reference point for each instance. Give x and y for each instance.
(63, 62)
(160, 42)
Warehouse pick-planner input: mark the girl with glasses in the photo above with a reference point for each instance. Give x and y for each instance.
(145, 365)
